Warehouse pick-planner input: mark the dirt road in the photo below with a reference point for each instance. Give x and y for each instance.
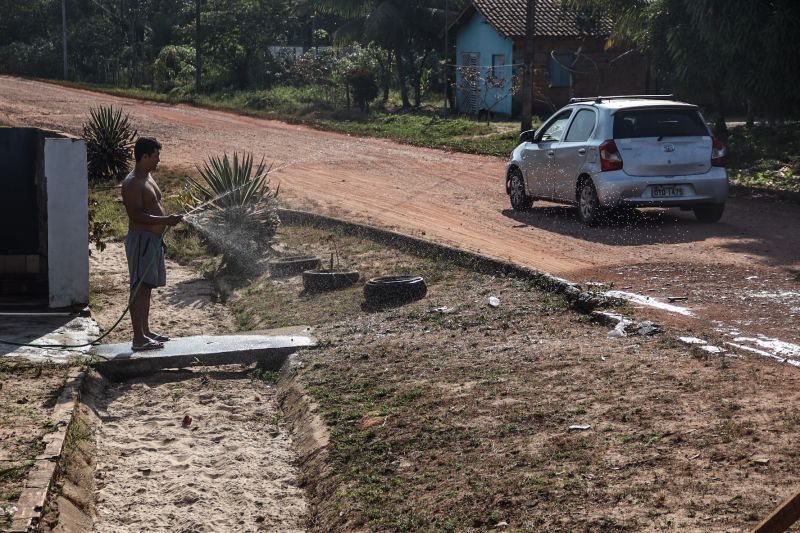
(741, 276)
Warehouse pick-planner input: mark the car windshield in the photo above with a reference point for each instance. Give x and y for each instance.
(640, 123)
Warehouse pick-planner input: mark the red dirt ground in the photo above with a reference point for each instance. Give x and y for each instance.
(459, 199)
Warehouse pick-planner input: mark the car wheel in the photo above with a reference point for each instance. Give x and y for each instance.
(520, 201)
(709, 212)
(589, 209)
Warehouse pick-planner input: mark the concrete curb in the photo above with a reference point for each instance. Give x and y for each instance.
(578, 298)
(40, 479)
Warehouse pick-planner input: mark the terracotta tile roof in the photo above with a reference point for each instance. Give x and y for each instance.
(507, 17)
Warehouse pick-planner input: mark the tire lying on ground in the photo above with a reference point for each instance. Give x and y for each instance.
(293, 265)
(394, 289)
(328, 280)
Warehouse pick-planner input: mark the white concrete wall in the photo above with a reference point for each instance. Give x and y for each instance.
(67, 221)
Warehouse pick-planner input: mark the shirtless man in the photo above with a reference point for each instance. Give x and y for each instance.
(147, 221)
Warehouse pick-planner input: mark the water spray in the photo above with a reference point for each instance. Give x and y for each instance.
(190, 218)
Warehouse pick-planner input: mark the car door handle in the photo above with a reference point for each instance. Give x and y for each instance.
(551, 152)
(582, 151)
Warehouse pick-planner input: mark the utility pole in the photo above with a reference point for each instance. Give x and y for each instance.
(198, 45)
(64, 33)
(444, 58)
(527, 80)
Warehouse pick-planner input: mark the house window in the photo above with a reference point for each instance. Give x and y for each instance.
(560, 76)
(499, 66)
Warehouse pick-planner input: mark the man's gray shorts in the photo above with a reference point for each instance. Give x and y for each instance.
(144, 248)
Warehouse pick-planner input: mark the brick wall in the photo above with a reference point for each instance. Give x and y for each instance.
(598, 72)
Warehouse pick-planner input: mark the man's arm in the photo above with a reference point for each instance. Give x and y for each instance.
(133, 198)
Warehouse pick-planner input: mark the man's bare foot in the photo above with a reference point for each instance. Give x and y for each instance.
(156, 337)
(147, 345)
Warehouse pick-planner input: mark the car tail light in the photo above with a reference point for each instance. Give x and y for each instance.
(719, 154)
(610, 158)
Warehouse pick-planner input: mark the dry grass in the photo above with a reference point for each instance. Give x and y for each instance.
(28, 393)
(458, 421)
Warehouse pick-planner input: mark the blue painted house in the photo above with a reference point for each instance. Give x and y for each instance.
(571, 59)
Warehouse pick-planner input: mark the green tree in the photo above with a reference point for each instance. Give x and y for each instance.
(734, 52)
(410, 29)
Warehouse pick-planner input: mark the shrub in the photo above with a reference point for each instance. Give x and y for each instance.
(260, 100)
(109, 137)
(240, 194)
(365, 88)
(174, 67)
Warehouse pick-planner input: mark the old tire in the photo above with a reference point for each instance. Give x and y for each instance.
(328, 280)
(709, 212)
(589, 210)
(394, 289)
(520, 200)
(293, 265)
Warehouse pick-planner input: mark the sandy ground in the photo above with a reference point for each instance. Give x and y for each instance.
(184, 307)
(460, 199)
(230, 469)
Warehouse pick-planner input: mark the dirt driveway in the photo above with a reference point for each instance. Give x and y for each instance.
(741, 276)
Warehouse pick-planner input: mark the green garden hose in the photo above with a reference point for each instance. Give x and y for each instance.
(104, 335)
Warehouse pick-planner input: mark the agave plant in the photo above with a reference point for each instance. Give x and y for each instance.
(240, 192)
(109, 139)
(230, 182)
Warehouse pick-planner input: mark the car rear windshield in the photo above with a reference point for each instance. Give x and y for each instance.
(640, 123)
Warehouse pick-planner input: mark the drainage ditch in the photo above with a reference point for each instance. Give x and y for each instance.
(199, 449)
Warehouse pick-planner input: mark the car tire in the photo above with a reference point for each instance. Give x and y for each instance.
(520, 200)
(709, 212)
(589, 209)
(328, 280)
(293, 265)
(394, 289)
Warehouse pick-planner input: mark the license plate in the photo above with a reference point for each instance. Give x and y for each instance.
(667, 191)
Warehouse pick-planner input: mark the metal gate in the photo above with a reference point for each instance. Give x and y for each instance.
(471, 92)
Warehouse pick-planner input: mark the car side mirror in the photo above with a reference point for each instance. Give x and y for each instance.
(527, 136)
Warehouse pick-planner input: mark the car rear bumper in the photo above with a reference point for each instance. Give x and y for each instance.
(617, 188)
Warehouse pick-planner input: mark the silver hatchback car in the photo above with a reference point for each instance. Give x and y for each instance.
(621, 151)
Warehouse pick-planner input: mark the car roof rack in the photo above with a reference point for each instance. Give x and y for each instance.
(600, 99)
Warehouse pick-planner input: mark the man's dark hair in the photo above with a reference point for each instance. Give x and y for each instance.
(145, 146)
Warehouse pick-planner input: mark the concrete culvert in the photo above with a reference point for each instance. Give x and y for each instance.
(394, 289)
(293, 265)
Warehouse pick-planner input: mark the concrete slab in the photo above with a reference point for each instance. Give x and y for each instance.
(46, 328)
(121, 362)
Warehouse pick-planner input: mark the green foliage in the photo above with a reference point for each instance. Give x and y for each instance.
(365, 88)
(174, 67)
(409, 28)
(37, 58)
(239, 192)
(765, 156)
(719, 51)
(109, 137)
(237, 35)
(98, 229)
(230, 182)
(314, 68)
